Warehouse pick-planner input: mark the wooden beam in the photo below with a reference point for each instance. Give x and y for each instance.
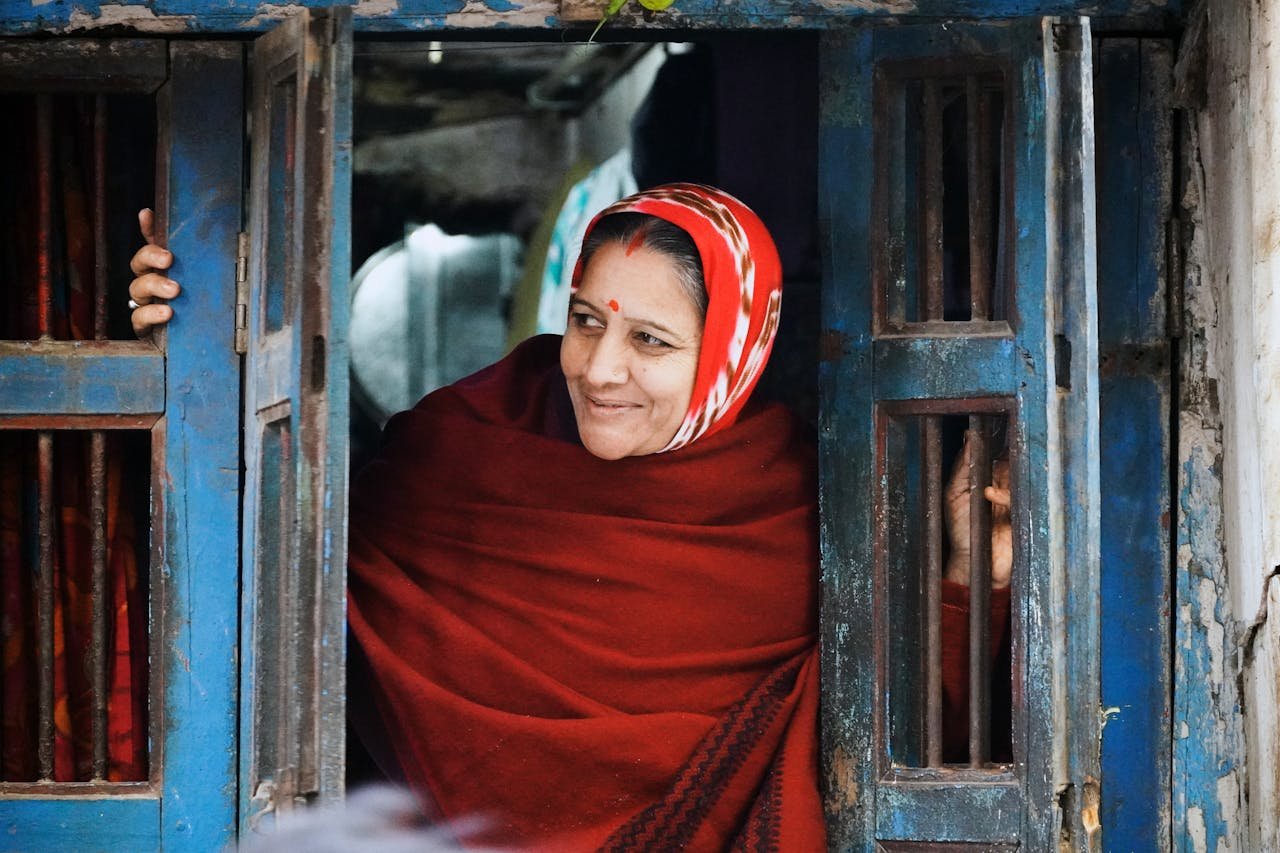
(82, 65)
(74, 384)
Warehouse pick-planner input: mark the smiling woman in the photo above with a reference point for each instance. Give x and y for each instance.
(630, 376)
(630, 353)
(583, 580)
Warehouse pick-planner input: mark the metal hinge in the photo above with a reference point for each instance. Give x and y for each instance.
(1175, 277)
(242, 293)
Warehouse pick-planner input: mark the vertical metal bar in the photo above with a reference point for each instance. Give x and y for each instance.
(979, 593)
(931, 202)
(100, 217)
(44, 607)
(933, 497)
(44, 202)
(97, 459)
(44, 444)
(98, 594)
(978, 140)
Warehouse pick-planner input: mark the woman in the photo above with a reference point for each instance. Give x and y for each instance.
(583, 580)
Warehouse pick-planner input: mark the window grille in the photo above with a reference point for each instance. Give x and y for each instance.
(959, 310)
(75, 511)
(84, 410)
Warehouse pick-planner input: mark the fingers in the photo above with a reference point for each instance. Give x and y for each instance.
(958, 482)
(1000, 472)
(147, 224)
(149, 259)
(149, 287)
(1001, 556)
(998, 496)
(151, 284)
(149, 316)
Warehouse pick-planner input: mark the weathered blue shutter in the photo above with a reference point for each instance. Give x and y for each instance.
(1134, 84)
(295, 418)
(186, 392)
(1039, 367)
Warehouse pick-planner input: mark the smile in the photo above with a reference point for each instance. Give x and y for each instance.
(602, 406)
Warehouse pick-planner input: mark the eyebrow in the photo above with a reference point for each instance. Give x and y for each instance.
(578, 300)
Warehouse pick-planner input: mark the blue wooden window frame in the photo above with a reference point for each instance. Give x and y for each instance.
(1052, 786)
(293, 611)
(189, 800)
(193, 808)
(1134, 87)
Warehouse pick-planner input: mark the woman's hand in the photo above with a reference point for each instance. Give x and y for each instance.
(150, 282)
(955, 505)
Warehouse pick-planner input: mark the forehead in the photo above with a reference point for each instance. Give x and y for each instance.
(634, 275)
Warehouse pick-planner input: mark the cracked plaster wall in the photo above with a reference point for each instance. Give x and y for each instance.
(1229, 419)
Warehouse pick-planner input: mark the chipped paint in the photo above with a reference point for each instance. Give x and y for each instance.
(1229, 801)
(842, 782)
(1206, 809)
(1214, 632)
(1196, 831)
(891, 7)
(62, 16)
(375, 8)
(476, 13)
(137, 17)
(269, 12)
(1089, 820)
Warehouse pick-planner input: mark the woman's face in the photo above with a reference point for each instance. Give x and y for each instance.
(630, 352)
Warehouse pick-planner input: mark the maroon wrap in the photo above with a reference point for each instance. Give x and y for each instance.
(592, 653)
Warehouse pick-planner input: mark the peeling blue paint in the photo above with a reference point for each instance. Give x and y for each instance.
(201, 447)
(1209, 744)
(195, 16)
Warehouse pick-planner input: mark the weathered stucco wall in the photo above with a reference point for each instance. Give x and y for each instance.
(1229, 406)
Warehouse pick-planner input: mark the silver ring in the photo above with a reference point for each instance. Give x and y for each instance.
(133, 306)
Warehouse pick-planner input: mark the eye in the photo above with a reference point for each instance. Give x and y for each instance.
(583, 320)
(650, 341)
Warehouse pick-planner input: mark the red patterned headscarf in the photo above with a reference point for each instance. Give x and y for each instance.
(743, 278)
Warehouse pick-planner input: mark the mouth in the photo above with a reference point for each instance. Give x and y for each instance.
(605, 406)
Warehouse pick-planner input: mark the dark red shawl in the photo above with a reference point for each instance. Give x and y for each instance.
(590, 653)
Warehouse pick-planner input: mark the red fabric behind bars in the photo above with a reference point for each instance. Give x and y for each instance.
(71, 262)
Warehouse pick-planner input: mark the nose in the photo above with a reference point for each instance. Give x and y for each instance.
(607, 361)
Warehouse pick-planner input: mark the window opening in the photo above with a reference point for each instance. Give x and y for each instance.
(945, 147)
(279, 277)
(482, 141)
(74, 517)
(950, 693)
(74, 505)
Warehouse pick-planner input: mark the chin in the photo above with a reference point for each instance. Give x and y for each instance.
(606, 450)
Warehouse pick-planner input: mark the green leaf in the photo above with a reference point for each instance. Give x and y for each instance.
(656, 5)
(613, 8)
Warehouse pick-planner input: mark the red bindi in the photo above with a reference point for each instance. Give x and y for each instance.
(613, 305)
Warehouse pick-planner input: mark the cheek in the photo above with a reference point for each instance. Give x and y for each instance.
(672, 385)
(570, 355)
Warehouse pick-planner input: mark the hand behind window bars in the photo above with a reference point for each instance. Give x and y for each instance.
(956, 503)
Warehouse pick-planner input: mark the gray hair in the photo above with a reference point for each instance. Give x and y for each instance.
(661, 236)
